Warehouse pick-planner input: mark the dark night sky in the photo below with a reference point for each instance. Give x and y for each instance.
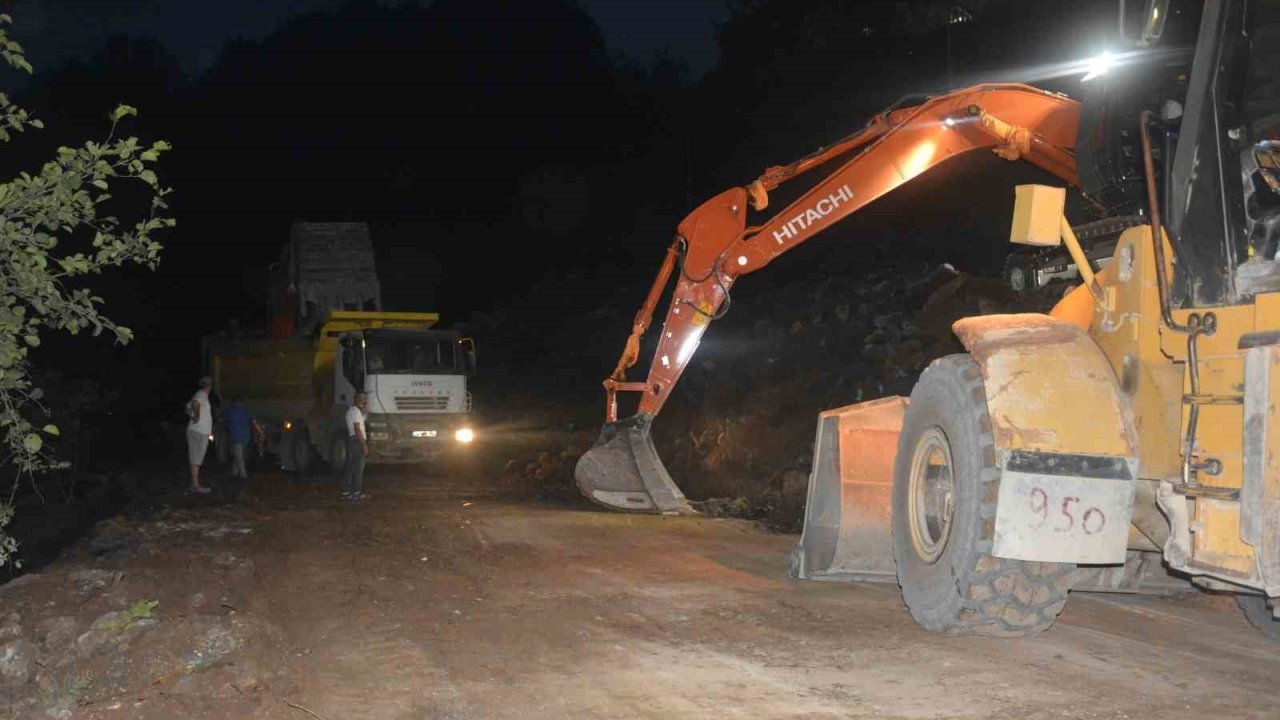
(196, 31)
(509, 166)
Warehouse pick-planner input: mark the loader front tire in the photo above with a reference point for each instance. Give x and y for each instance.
(946, 482)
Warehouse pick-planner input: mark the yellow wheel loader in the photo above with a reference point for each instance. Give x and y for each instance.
(1129, 439)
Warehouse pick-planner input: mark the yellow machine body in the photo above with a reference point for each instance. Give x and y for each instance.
(1101, 378)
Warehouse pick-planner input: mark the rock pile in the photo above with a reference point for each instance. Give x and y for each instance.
(86, 633)
(739, 427)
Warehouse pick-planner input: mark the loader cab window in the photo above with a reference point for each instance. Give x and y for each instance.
(411, 353)
(1226, 248)
(353, 361)
(1260, 161)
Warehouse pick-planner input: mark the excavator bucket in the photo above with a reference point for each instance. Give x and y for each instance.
(623, 471)
(848, 531)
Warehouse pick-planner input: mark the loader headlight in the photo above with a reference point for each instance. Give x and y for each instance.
(464, 435)
(288, 426)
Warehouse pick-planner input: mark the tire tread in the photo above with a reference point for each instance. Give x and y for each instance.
(997, 597)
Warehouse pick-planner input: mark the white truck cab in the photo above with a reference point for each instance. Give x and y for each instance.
(419, 407)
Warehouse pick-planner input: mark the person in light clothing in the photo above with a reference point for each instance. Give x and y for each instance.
(199, 425)
(357, 448)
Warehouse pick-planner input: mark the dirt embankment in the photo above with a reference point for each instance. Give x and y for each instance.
(150, 608)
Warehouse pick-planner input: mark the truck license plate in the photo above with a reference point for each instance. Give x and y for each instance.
(1048, 517)
(424, 433)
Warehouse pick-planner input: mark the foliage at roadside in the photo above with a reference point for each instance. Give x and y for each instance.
(57, 231)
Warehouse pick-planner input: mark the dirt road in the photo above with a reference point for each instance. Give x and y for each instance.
(449, 599)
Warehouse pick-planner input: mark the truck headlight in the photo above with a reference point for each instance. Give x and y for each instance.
(464, 435)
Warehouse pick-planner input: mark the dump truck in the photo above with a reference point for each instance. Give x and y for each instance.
(1125, 440)
(329, 338)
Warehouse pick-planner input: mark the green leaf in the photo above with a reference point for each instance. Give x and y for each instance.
(148, 177)
(51, 430)
(33, 340)
(123, 111)
(100, 184)
(32, 443)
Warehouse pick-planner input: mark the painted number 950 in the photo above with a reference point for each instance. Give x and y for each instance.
(1064, 516)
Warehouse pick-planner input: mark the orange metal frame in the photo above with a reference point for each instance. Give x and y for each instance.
(714, 246)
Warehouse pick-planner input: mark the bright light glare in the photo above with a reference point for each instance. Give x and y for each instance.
(288, 426)
(687, 347)
(919, 159)
(1099, 66)
(464, 435)
(949, 122)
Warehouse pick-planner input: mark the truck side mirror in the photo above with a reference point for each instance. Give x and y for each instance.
(469, 354)
(1142, 23)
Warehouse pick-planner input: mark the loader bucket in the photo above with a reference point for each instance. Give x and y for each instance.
(623, 471)
(848, 531)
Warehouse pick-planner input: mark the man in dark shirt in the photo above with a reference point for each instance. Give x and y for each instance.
(240, 429)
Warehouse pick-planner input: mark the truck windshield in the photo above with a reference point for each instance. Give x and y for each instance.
(1262, 81)
(409, 354)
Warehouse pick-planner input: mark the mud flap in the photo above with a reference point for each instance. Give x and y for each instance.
(623, 471)
(848, 534)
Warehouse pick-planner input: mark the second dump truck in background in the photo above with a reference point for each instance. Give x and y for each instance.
(329, 337)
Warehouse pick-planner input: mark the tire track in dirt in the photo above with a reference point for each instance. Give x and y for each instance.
(443, 599)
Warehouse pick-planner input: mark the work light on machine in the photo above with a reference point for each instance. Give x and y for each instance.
(1099, 66)
(464, 435)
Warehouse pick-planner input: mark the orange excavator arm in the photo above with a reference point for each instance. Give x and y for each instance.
(714, 247)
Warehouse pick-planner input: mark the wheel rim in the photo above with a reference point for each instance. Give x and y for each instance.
(931, 495)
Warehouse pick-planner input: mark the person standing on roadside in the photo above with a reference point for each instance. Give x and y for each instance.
(199, 426)
(357, 448)
(241, 428)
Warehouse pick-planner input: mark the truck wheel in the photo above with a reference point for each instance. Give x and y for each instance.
(1259, 615)
(303, 453)
(338, 455)
(945, 487)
